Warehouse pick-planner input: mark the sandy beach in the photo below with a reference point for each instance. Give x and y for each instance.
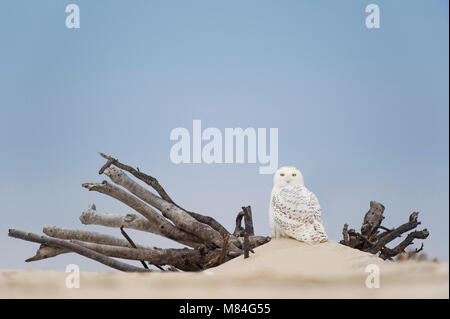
(283, 268)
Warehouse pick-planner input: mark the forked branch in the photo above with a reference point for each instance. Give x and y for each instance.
(371, 240)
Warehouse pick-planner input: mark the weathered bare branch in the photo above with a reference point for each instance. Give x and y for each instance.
(149, 180)
(387, 253)
(345, 236)
(239, 230)
(371, 240)
(86, 252)
(419, 249)
(353, 234)
(246, 246)
(178, 216)
(248, 220)
(184, 259)
(92, 217)
(256, 241)
(89, 236)
(128, 238)
(153, 182)
(372, 219)
(223, 253)
(165, 228)
(45, 251)
(413, 223)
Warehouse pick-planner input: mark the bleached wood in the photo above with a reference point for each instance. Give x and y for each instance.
(86, 252)
(93, 217)
(163, 226)
(213, 244)
(154, 183)
(184, 259)
(88, 236)
(178, 216)
(255, 241)
(45, 252)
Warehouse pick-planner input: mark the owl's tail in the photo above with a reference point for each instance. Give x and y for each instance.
(320, 235)
(314, 234)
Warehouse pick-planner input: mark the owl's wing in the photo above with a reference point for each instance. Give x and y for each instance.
(313, 203)
(297, 211)
(316, 211)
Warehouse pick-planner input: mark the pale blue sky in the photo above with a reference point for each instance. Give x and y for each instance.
(362, 113)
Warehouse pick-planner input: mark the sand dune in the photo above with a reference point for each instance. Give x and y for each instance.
(283, 268)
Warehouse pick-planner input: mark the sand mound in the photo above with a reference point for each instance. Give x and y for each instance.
(283, 268)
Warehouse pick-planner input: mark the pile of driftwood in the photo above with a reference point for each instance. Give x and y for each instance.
(210, 243)
(371, 240)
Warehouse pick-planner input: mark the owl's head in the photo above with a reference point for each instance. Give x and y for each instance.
(287, 175)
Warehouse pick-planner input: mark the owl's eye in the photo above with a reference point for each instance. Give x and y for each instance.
(282, 174)
(293, 174)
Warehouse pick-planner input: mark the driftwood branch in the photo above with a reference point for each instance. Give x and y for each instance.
(222, 257)
(164, 227)
(184, 259)
(153, 182)
(387, 253)
(92, 217)
(248, 220)
(345, 240)
(371, 240)
(88, 236)
(212, 244)
(178, 216)
(45, 251)
(246, 245)
(395, 233)
(239, 230)
(128, 238)
(256, 241)
(86, 252)
(223, 253)
(246, 232)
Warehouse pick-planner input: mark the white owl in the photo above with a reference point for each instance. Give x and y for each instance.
(295, 210)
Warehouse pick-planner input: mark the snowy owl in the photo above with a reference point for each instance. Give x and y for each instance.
(294, 210)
